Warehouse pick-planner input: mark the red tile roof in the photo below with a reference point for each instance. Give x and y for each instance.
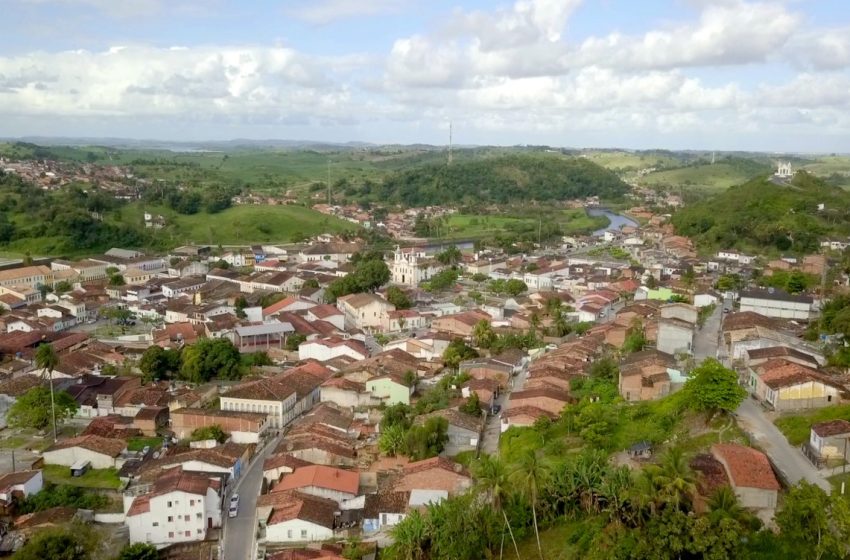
(747, 467)
(320, 476)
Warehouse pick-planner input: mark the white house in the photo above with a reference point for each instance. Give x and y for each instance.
(179, 507)
(20, 483)
(333, 347)
(777, 303)
(266, 396)
(101, 452)
(322, 481)
(290, 517)
(365, 311)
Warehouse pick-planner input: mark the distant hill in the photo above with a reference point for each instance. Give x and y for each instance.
(500, 179)
(763, 215)
(706, 176)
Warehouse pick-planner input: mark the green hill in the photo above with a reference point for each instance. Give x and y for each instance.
(762, 215)
(706, 176)
(501, 180)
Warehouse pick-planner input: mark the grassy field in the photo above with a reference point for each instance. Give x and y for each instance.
(471, 226)
(94, 478)
(242, 224)
(707, 177)
(797, 427)
(139, 443)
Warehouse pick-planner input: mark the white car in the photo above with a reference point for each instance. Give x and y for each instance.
(234, 506)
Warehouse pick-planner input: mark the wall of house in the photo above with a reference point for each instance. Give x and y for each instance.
(331, 494)
(388, 390)
(167, 522)
(672, 339)
(811, 394)
(345, 398)
(756, 498)
(297, 530)
(779, 309)
(275, 410)
(71, 455)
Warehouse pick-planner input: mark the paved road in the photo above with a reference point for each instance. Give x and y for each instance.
(706, 339)
(493, 428)
(788, 460)
(240, 531)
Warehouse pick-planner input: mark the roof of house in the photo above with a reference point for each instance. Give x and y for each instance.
(357, 301)
(776, 294)
(17, 386)
(747, 467)
(279, 460)
(320, 476)
(105, 446)
(781, 351)
(780, 372)
(173, 480)
(287, 506)
(441, 463)
(530, 411)
(14, 478)
(831, 428)
(385, 502)
(268, 389)
(456, 418)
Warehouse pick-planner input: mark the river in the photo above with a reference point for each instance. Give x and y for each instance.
(616, 220)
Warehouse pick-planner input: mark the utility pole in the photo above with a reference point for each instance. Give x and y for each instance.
(450, 143)
(329, 182)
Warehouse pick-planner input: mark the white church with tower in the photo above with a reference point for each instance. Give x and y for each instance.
(412, 266)
(783, 170)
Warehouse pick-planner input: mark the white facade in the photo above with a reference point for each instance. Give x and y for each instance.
(704, 300)
(278, 412)
(323, 351)
(175, 517)
(28, 487)
(297, 530)
(71, 455)
(782, 309)
(409, 268)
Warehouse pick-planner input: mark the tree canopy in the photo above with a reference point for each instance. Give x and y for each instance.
(32, 409)
(210, 358)
(713, 388)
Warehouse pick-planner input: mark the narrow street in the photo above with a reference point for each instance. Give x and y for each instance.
(493, 428)
(707, 339)
(240, 531)
(788, 460)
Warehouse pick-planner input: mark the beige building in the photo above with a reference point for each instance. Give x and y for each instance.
(369, 312)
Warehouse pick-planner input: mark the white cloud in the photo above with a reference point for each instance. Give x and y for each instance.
(326, 11)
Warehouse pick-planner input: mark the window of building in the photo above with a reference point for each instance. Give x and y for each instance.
(191, 502)
(199, 515)
(170, 518)
(303, 533)
(188, 533)
(171, 534)
(185, 518)
(169, 504)
(289, 534)
(156, 523)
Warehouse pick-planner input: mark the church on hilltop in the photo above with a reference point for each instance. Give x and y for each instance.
(783, 170)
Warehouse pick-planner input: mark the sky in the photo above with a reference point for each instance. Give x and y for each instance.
(766, 75)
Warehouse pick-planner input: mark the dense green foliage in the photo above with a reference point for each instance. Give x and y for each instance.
(814, 524)
(210, 358)
(499, 180)
(443, 280)
(139, 551)
(399, 435)
(32, 409)
(159, 363)
(399, 298)
(456, 352)
(62, 496)
(213, 432)
(370, 273)
(762, 215)
(75, 542)
(713, 388)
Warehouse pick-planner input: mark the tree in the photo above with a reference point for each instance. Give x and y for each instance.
(116, 280)
(33, 409)
(209, 358)
(450, 257)
(409, 538)
(53, 496)
(391, 440)
(47, 359)
(515, 287)
(456, 352)
(713, 388)
(479, 277)
(398, 298)
(239, 307)
(531, 475)
(209, 432)
(492, 481)
(293, 341)
(472, 405)
(63, 287)
(651, 282)
(139, 551)
(428, 439)
(483, 334)
(157, 362)
(604, 368)
(814, 524)
(635, 338)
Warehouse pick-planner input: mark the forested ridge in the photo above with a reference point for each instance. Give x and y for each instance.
(762, 215)
(499, 180)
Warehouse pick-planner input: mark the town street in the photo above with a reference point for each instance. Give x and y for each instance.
(240, 531)
(493, 427)
(788, 460)
(706, 339)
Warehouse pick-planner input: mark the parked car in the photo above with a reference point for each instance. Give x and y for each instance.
(234, 506)
(497, 408)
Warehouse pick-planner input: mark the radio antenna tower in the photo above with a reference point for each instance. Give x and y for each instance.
(450, 143)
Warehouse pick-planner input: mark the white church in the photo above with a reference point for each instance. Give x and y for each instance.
(783, 170)
(412, 266)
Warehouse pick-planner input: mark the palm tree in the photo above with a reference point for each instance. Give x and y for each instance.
(410, 537)
(47, 360)
(724, 503)
(491, 479)
(531, 475)
(675, 479)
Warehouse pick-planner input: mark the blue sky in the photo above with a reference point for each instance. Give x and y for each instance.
(703, 74)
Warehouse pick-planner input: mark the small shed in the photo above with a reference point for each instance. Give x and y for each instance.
(641, 450)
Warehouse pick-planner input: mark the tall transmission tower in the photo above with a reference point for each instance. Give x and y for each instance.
(450, 142)
(329, 183)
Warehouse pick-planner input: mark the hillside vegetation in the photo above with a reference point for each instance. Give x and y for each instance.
(499, 180)
(761, 215)
(707, 176)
